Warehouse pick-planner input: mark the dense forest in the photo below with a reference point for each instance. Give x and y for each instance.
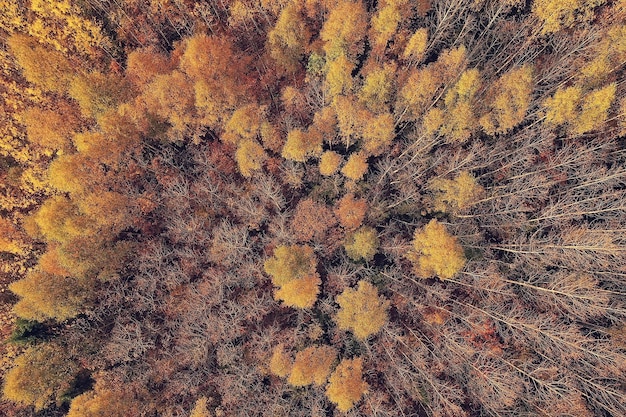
(313, 208)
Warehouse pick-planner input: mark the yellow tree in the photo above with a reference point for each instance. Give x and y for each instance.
(346, 385)
(436, 252)
(245, 123)
(356, 166)
(594, 109)
(418, 92)
(362, 244)
(293, 270)
(200, 408)
(460, 119)
(343, 31)
(457, 194)
(46, 296)
(329, 163)
(40, 377)
(384, 24)
(301, 145)
(250, 157)
(416, 46)
(557, 14)
(511, 98)
(339, 76)
(378, 87)
(562, 106)
(378, 133)
(45, 68)
(289, 37)
(312, 366)
(280, 362)
(103, 401)
(362, 311)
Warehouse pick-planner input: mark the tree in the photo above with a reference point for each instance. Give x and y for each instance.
(362, 311)
(200, 408)
(455, 195)
(351, 211)
(47, 69)
(329, 163)
(356, 166)
(41, 376)
(51, 129)
(594, 110)
(378, 88)
(346, 385)
(385, 24)
(436, 252)
(293, 270)
(561, 107)
(378, 133)
(46, 296)
(312, 366)
(250, 157)
(311, 220)
(343, 30)
(301, 145)
(105, 402)
(460, 119)
(511, 98)
(556, 14)
(362, 244)
(416, 46)
(418, 92)
(245, 123)
(96, 93)
(280, 362)
(339, 76)
(289, 38)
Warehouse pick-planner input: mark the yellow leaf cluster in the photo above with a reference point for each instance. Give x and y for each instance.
(301, 145)
(356, 166)
(41, 375)
(293, 270)
(245, 123)
(106, 402)
(384, 24)
(312, 366)
(362, 244)
(289, 37)
(558, 14)
(339, 76)
(457, 194)
(459, 114)
(200, 408)
(418, 92)
(561, 107)
(581, 112)
(250, 157)
(513, 93)
(346, 385)
(378, 87)
(362, 311)
(436, 252)
(45, 296)
(416, 46)
(280, 362)
(378, 133)
(343, 32)
(329, 163)
(594, 109)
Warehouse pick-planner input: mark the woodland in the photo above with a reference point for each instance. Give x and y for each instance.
(405, 208)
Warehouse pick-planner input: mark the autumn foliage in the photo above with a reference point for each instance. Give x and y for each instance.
(312, 208)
